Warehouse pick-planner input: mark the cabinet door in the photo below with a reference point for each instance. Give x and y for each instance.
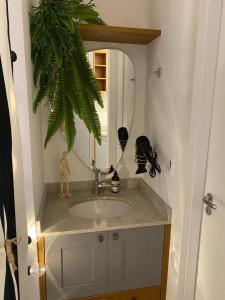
(135, 258)
(76, 265)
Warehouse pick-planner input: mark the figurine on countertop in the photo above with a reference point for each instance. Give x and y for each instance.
(64, 176)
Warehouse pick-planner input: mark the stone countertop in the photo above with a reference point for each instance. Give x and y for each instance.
(148, 209)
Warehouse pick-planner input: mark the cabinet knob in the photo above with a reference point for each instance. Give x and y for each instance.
(101, 238)
(115, 236)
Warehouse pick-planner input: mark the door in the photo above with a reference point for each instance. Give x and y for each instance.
(76, 265)
(8, 269)
(135, 258)
(211, 266)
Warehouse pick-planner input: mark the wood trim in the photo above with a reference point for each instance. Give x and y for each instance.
(98, 297)
(115, 34)
(41, 260)
(151, 293)
(166, 248)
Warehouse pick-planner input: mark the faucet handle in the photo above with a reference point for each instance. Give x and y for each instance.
(93, 163)
(111, 169)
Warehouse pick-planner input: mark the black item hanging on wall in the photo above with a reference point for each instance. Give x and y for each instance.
(144, 153)
(123, 137)
(13, 54)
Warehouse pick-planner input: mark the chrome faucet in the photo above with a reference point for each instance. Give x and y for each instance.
(98, 184)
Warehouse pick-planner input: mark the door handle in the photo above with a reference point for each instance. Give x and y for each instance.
(100, 238)
(115, 236)
(208, 201)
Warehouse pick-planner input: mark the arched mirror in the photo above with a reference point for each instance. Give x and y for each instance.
(115, 74)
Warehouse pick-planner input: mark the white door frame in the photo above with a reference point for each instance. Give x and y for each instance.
(208, 35)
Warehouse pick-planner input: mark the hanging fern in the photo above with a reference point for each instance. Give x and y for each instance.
(62, 72)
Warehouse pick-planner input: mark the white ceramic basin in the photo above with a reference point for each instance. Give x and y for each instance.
(104, 207)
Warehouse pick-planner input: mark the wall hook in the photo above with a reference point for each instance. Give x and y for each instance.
(158, 72)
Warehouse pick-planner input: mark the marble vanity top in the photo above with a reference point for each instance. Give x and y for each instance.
(147, 209)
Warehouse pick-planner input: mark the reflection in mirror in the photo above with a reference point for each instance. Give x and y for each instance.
(115, 74)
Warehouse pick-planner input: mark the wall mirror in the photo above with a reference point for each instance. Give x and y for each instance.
(115, 74)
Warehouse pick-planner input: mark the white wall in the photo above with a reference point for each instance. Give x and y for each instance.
(130, 13)
(168, 108)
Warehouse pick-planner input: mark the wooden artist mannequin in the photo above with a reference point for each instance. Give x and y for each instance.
(64, 176)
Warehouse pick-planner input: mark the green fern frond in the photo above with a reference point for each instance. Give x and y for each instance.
(85, 12)
(56, 51)
(55, 119)
(69, 24)
(87, 79)
(69, 124)
(54, 122)
(71, 92)
(90, 118)
(62, 71)
(96, 128)
(82, 97)
(82, 60)
(42, 92)
(37, 69)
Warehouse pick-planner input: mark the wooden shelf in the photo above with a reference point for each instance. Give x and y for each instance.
(100, 66)
(114, 34)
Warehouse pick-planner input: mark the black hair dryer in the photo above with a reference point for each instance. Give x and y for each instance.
(123, 137)
(145, 153)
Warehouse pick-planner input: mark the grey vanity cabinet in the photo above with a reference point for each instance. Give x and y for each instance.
(76, 265)
(135, 258)
(87, 264)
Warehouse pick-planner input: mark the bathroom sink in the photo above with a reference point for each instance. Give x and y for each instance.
(102, 207)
